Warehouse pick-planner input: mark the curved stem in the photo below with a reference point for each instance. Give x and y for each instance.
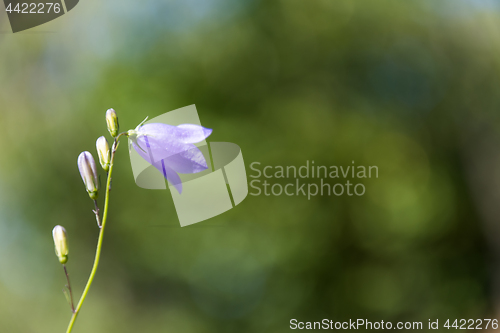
(101, 236)
(69, 288)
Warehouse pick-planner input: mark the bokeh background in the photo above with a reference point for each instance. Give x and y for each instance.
(409, 86)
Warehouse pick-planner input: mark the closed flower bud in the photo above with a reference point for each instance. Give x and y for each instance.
(112, 122)
(103, 152)
(88, 171)
(61, 243)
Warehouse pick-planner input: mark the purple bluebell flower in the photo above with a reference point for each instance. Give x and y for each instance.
(171, 149)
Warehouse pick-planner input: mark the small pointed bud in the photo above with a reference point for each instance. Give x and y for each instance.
(103, 152)
(61, 243)
(88, 171)
(112, 122)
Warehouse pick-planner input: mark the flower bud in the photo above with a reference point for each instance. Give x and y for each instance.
(103, 152)
(88, 171)
(61, 243)
(112, 122)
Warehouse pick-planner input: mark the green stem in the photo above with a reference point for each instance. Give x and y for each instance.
(99, 242)
(69, 288)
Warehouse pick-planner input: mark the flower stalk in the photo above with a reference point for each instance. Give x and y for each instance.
(96, 212)
(100, 239)
(170, 149)
(72, 304)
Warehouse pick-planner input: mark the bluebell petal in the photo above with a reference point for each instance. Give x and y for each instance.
(152, 149)
(170, 149)
(169, 174)
(188, 161)
(191, 133)
(185, 133)
(159, 131)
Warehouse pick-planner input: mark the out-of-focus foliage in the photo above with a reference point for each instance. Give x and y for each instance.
(408, 86)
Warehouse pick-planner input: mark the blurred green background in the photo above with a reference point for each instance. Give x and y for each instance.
(409, 86)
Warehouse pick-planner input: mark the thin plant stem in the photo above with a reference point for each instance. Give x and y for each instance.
(69, 288)
(96, 212)
(99, 242)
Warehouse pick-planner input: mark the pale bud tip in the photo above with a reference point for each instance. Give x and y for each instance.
(103, 152)
(60, 243)
(88, 171)
(112, 122)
